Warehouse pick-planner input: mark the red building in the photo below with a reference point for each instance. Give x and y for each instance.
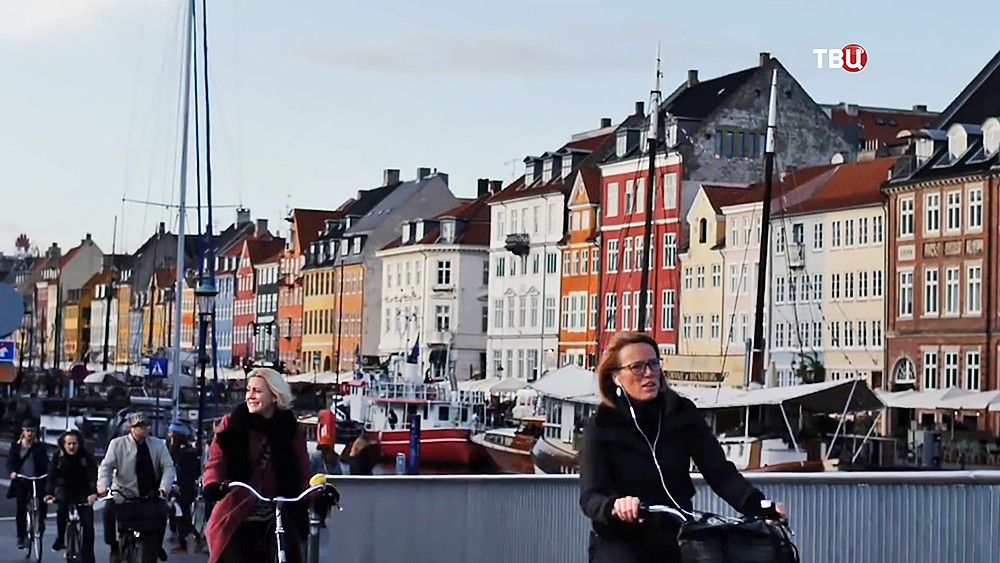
(625, 178)
(245, 293)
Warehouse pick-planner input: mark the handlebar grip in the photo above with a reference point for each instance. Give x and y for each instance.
(643, 510)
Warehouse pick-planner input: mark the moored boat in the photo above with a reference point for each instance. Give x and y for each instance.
(509, 448)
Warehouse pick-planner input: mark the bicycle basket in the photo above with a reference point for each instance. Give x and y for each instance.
(146, 517)
(715, 540)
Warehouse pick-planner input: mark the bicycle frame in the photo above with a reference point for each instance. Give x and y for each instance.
(134, 535)
(34, 504)
(278, 503)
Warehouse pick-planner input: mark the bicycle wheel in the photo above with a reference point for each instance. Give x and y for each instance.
(131, 549)
(74, 542)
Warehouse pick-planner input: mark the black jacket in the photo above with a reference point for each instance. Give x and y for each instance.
(72, 477)
(15, 461)
(615, 461)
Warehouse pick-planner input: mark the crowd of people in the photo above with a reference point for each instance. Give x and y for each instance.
(152, 484)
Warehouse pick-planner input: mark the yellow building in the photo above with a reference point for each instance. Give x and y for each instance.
(320, 282)
(124, 325)
(701, 356)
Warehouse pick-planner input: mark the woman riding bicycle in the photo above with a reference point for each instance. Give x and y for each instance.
(73, 479)
(261, 443)
(640, 415)
(26, 456)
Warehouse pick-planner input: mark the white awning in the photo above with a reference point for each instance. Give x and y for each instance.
(974, 401)
(569, 383)
(928, 400)
(826, 397)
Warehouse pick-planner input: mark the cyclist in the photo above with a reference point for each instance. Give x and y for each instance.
(137, 464)
(27, 456)
(73, 479)
(188, 467)
(639, 446)
(261, 443)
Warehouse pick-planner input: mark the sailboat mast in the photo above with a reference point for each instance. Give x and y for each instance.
(757, 354)
(108, 288)
(175, 372)
(651, 142)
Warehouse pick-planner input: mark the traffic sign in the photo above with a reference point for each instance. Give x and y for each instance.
(8, 351)
(157, 367)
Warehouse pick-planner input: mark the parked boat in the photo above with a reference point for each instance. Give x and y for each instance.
(510, 448)
(447, 419)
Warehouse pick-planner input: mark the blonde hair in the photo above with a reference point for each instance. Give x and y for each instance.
(277, 385)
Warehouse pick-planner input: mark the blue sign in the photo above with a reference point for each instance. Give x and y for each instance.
(157, 368)
(7, 351)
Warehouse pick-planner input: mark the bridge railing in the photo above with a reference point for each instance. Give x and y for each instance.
(913, 517)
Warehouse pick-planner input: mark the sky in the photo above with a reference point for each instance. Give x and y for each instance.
(311, 100)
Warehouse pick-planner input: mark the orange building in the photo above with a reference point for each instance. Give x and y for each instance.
(305, 226)
(581, 267)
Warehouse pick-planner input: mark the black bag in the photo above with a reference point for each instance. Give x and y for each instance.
(148, 516)
(712, 539)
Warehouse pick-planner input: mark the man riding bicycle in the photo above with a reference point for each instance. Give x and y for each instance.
(137, 465)
(73, 479)
(27, 456)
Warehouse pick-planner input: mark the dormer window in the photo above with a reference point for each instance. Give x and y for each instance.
(991, 136)
(357, 245)
(529, 171)
(621, 143)
(958, 141)
(343, 247)
(567, 165)
(547, 169)
(448, 231)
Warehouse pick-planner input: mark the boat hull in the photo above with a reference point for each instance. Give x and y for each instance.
(550, 459)
(507, 459)
(444, 446)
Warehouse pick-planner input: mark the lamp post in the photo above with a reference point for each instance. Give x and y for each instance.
(205, 296)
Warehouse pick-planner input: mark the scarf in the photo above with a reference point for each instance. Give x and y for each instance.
(279, 432)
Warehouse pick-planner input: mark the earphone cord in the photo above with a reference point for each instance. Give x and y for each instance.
(652, 451)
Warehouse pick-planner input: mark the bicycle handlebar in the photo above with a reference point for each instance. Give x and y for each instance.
(113, 492)
(280, 500)
(25, 477)
(646, 510)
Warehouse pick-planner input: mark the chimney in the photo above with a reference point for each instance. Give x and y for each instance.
(919, 107)
(390, 176)
(423, 173)
(162, 229)
(87, 239)
(640, 108)
(483, 187)
(242, 216)
(692, 77)
(764, 58)
(496, 186)
(605, 122)
(261, 228)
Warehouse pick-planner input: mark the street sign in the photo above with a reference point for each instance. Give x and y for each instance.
(157, 368)
(11, 310)
(7, 351)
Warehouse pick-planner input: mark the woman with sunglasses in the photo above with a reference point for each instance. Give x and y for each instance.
(639, 446)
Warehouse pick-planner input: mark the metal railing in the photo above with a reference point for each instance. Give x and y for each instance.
(913, 517)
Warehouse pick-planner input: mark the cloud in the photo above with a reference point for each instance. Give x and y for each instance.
(449, 55)
(25, 21)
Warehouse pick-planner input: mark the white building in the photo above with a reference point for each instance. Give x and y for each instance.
(434, 284)
(98, 310)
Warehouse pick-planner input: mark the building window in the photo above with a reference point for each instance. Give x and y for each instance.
(932, 213)
(951, 280)
(667, 310)
(906, 217)
(904, 305)
(444, 272)
(818, 236)
(931, 291)
(972, 371)
(610, 311)
(930, 370)
(612, 201)
(950, 370)
(954, 212)
(975, 208)
(974, 290)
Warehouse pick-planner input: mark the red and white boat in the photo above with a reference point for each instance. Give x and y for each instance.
(447, 419)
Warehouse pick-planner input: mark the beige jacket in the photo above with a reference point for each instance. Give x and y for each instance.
(117, 469)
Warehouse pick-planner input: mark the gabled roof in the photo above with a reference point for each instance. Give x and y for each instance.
(309, 223)
(358, 207)
(472, 219)
(700, 100)
(846, 186)
(596, 146)
(393, 199)
(979, 100)
(261, 251)
(724, 196)
(881, 124)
